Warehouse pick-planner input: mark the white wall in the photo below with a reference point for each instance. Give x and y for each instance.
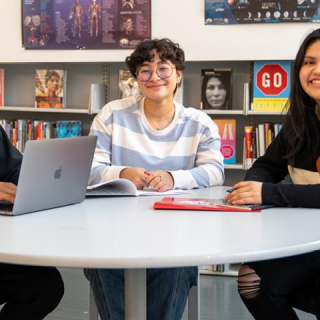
(180, 20)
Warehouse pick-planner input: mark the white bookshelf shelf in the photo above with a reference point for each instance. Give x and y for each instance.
(47, 110)
(265, 113)
(236, 166)
(224, 112)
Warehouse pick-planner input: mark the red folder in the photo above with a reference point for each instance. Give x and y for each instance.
(169, 203)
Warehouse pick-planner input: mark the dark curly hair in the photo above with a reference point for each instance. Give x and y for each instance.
(166, 49)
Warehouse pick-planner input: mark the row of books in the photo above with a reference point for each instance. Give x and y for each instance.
(20, 131)
(270, 87)
(257, 139)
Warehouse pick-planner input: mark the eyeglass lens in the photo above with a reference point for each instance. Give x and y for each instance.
(163, 70)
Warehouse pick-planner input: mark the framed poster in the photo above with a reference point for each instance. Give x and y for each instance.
(216, 89)
(85, 24)
(259, 11)
(271, 85)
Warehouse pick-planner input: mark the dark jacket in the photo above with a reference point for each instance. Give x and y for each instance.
(10, 159)
(273, 167)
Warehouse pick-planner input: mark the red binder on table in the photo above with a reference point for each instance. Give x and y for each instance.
(169, 203)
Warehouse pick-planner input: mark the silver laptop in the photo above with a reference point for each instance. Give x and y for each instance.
(54, 173)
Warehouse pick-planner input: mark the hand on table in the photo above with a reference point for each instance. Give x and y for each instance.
(8, 191)
(246, 192)
(135, 175)
(159, 180)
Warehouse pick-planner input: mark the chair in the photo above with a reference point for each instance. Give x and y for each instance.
(193, 304)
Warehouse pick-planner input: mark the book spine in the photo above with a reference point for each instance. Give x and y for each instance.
(248, 146)
(1, 87)
(261, 140)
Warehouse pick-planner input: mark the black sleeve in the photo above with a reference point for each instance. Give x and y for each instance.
(271, 169)
(10, 159)
(293, 195)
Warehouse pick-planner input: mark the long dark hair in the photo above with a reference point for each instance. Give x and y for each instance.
(300, 122)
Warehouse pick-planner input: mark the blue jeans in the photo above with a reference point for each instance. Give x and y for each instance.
(167, 292)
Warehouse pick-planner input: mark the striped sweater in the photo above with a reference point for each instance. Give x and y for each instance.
(189, 148)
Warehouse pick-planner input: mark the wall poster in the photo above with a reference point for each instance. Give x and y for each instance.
(259, 11)
(85, 24)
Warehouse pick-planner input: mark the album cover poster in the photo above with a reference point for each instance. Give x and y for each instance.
(85, 24)
(271, 85)
(50, 88)
(216, 89)
(227, 132)
(257, 11)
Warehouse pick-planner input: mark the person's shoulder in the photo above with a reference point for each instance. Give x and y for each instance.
(129, 104)
(196, 115)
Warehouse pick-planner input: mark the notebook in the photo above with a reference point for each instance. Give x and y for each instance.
(54, 173)
(124, 187)
(205, 204)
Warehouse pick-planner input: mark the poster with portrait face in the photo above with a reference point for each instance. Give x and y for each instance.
(216, 89)
(50, 88)
(85, 24)
(259, 11)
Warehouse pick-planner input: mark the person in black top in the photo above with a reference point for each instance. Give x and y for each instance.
(28, 292)
(270, 289)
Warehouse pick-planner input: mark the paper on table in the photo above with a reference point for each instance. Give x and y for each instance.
(124, 187)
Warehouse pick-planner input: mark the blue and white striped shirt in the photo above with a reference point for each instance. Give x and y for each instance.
(189, 147)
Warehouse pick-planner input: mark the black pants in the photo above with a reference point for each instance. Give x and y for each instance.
(286, 283)
(29, 293)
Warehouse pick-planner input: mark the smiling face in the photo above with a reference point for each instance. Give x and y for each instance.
(53, 84)
(216, 93)
(155, 88)
(309, 74)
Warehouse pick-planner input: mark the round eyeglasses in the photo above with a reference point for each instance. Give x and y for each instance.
(164, 71)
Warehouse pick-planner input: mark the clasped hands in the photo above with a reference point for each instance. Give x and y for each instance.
(159, 180)
(7, 191)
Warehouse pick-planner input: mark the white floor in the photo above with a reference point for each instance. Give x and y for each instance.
(219, 299)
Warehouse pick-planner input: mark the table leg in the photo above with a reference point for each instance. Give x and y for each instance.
(135, 294)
